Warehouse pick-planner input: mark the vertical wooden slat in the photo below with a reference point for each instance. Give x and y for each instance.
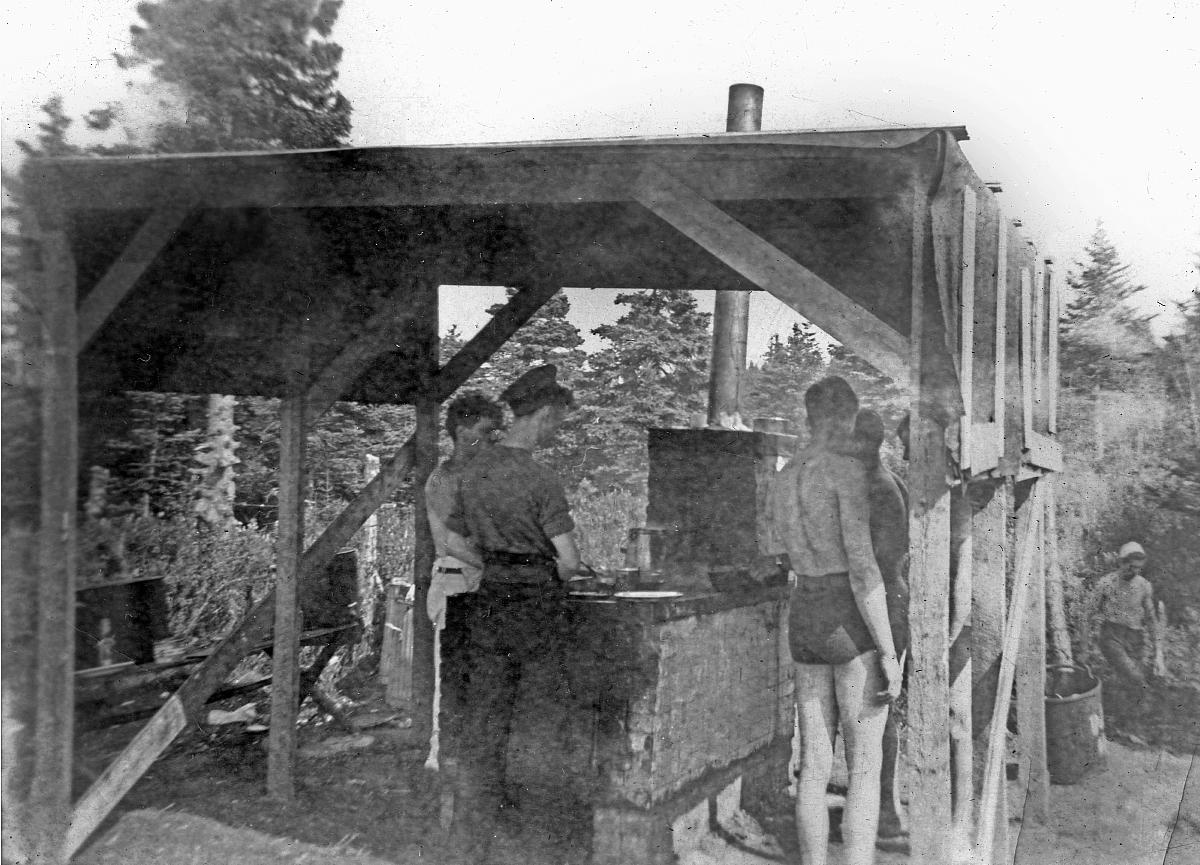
(50, 792)
(1031, 667)
(990, 549)
(1001, 329)
(285, 675)
(929, 578)
(967, 326)
(1026, 356)
(1038, 327)
(1053, 314)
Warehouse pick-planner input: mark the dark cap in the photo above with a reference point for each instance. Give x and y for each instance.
(537, 388)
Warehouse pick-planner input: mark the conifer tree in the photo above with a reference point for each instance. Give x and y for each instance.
(1104, 343)
(652, 373)
(776, 387)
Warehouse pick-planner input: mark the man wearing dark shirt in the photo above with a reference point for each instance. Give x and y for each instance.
(515, 513)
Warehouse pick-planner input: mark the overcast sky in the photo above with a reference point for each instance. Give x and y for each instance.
(1083, 110)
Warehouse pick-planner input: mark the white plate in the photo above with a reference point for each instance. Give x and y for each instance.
(647, 596)
(590, 594)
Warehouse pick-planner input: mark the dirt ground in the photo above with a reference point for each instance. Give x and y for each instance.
(202, 801)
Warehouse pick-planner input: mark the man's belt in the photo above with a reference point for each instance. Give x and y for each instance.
(449, 570)
(503, 558)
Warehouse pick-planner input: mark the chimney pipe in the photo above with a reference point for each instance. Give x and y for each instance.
(731, 312)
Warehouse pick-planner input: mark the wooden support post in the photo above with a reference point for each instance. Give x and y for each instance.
(1028, 521)
(49, 805)
(929, 578)
(1056, 612)
(961, 751)
(285, 671)
(1031, 667)
(990, 550)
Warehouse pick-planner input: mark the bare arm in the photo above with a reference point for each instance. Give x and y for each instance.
(462, 549)
(865, 580)
(568, 555)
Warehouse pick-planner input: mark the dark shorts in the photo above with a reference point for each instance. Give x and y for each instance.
(824, 624)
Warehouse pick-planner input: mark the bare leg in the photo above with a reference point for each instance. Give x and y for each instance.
(817, 707)
(857, 682)
(890, 824)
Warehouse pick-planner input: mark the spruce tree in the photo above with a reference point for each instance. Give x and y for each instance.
(652, 373)
(776, 387)
(1104, 343)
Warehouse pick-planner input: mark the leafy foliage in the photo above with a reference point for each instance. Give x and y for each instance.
(776, 388)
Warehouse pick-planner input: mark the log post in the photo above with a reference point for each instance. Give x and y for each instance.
(285, 675)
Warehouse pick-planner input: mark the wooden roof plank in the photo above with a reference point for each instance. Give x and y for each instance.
(768, 267)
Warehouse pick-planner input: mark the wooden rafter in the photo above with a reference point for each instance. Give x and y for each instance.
(773, 270)
(378, 335)
(99, 303)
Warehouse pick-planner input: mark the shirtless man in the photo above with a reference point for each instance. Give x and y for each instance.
(846, 665)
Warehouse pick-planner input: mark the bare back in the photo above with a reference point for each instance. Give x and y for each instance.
(821, 512)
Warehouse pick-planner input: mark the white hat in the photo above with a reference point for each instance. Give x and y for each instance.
(1133, 548)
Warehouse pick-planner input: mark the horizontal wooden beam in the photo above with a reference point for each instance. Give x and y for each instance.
(773, 270)
(372, 179)
(99, 303)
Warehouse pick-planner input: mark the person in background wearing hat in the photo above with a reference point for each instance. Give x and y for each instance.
(1126, 611)
(471, 419)
(515, 513)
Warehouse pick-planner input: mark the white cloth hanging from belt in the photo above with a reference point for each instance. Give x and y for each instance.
(441, 587)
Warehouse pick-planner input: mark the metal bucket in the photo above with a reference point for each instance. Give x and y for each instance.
(1075, 744)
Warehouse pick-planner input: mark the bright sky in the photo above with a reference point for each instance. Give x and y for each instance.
(1083, 110)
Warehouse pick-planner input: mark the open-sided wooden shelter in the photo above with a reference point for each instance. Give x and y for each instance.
(312, 276)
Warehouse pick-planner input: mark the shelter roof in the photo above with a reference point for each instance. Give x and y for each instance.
(239, 257)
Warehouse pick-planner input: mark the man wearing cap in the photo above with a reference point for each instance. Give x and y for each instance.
(1126, 610)
(470, 421)
(515, 513)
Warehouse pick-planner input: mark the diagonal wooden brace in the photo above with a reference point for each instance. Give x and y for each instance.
(774, 271)
(99, 303)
